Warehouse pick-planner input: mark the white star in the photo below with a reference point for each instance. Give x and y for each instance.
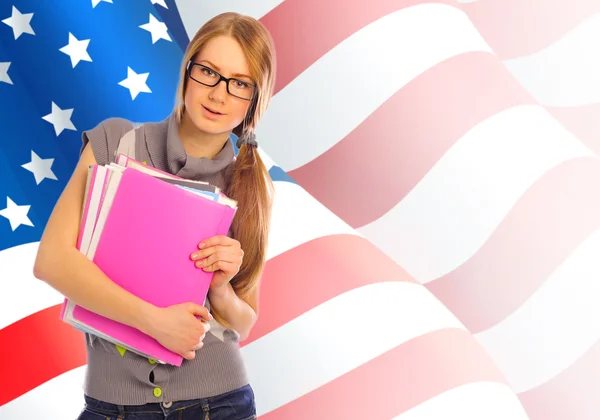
(96, 2)
(4, 73)
(16, 215)
(60, 118)
(76, 50)
(19, 23)
(40, 168)
(161, 2)
(136, 83)
(157, 29)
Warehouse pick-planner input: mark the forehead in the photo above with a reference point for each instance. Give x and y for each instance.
(225, 53)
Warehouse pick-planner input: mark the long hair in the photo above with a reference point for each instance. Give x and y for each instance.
(250, 184)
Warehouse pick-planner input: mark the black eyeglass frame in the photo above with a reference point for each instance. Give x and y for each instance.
(191, 64)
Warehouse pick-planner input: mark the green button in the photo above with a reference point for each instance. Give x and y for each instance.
(120, 349)
(151, 361)
(157, 392)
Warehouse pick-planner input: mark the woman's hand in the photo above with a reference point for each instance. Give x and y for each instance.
(177, 327)
(222, 255)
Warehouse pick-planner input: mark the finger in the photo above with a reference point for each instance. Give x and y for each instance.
(227, 267)
(198, 255)
(216, 240)
(205, 326)
(200, 311)
(189, 355)
(218, 256)
(198, 346)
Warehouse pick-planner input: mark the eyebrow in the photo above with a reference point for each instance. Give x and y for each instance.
(218, 69)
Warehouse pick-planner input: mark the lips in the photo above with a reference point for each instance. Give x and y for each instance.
(212, 110)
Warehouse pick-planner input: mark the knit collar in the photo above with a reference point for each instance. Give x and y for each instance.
(177, 160)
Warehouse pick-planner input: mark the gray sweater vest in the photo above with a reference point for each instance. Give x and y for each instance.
(130, 379)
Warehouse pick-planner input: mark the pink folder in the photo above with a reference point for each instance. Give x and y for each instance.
(150, 232)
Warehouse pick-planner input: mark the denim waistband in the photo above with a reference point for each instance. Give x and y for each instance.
(116, 409)
(164, 408)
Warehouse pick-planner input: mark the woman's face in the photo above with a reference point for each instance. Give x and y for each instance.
(222, 55)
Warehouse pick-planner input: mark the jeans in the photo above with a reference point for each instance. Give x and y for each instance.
(238, 404)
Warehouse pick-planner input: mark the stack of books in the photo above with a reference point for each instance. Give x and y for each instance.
(139, 226)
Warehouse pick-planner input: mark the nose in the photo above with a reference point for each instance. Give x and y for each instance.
(219, 91)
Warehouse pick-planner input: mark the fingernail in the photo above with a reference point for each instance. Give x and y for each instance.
(198, 264)
(202, 245)
(194, 256)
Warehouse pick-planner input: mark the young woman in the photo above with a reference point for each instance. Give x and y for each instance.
(227, 79)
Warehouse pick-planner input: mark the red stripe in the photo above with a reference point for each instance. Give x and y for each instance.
(313, 273)
(551, 219)
(573, 394)
(583, 121)
(396, 381)
(403, 143)
(305, 30)
(534, 24)
(36, 349)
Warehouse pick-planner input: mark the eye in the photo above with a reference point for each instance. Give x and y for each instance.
(207, 71)
(241, 84)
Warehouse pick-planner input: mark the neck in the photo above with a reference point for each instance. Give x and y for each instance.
(197, 143)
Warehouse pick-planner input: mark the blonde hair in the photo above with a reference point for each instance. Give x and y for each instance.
(250, 184)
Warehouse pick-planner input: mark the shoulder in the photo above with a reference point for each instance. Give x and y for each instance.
(110, 127)
(116, 125)
(104, 137)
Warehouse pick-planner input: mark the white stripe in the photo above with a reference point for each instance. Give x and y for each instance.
(474, 401)
(567, 73)
(554, 327)
(328, 341)
(58, 399)
(194, 14)
(22, 294)
(334, 95)
(299, 218)
(453, 210)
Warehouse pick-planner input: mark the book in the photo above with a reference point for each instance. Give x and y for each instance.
(128, 162)
(140, 230)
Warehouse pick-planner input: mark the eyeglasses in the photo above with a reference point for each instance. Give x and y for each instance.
(208, 77)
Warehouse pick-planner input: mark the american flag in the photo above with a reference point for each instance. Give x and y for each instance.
(435, 238)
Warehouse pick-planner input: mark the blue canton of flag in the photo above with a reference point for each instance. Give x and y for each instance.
(64, 67)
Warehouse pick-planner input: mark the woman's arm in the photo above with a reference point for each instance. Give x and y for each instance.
(60, 264)
(223, 256)
(239, 314)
